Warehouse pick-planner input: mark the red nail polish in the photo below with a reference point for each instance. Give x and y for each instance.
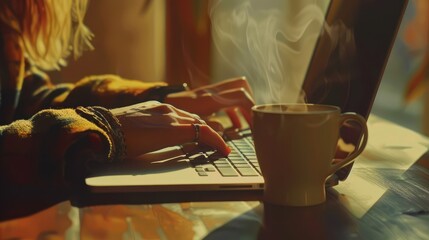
(228, 150)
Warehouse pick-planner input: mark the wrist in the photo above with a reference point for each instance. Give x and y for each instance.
(111, 125)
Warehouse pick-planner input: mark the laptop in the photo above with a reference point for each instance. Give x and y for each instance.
(347, 76)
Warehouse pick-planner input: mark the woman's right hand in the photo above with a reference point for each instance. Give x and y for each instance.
(151, 126)
(234, 96)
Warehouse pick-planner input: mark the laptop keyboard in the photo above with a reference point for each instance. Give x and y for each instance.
(241, 161)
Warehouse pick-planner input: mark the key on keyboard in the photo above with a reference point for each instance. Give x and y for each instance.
(241, 161)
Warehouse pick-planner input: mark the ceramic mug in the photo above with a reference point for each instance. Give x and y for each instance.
(295, 145)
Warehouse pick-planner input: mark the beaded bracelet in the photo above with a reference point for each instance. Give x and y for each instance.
(104, 119)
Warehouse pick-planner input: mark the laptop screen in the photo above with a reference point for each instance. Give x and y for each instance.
(350, 57)
(352, 52)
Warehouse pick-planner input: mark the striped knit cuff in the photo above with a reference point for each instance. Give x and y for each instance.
(104, 119)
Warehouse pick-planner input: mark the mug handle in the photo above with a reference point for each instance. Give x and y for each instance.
(345, 117)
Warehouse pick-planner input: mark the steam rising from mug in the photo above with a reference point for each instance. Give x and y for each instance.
(269, 42)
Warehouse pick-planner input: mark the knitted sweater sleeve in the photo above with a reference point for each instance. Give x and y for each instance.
(56, 146)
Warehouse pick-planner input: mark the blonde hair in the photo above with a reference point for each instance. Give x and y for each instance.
(49, 29)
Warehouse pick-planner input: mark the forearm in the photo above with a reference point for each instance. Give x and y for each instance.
(110, 91)
(41, 157)
(50, 147)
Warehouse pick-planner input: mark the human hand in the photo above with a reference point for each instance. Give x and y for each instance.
(151, 126)
(232, 95)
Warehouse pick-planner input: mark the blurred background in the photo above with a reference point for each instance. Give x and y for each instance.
(169, 40)
(403, 94)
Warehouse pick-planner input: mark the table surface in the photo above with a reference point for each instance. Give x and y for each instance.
(386, 196)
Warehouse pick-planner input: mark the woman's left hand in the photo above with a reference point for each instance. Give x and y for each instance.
(232, 95)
